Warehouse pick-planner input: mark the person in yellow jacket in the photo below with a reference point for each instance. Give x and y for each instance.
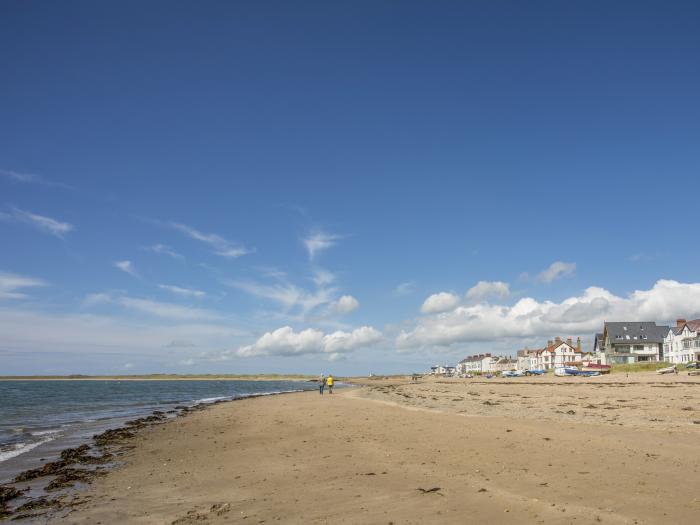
(329, 384)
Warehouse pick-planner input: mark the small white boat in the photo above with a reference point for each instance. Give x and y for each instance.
(565, 371)
(667, 370)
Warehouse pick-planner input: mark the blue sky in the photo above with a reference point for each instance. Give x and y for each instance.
(268, 186)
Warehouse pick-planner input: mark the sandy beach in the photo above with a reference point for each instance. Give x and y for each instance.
(610, 449)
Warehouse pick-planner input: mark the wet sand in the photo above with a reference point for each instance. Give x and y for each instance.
(597, 450)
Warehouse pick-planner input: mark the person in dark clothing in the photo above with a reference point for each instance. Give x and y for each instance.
(321, 384)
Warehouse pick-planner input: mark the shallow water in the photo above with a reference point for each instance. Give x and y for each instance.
(38, 416)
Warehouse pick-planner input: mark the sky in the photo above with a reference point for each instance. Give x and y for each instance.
(324, 187)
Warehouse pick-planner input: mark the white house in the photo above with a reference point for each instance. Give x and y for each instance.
(480, 363)
(503, 364)
(682, 342)
(559, 353)
(527, 359)
(442, 370)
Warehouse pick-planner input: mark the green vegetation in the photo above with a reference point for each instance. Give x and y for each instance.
(640, 367)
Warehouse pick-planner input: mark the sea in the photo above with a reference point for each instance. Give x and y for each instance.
(38, 419)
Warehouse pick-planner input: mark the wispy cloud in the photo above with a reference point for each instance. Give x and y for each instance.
(10, 283)
(127, 267)
(405, 288)
(557, 270)
(184, 292)
(39, 222)
(286, 294)
(166, 310)
(30, 178)
(222, 246)
(323, 277)
(319, 241)
(163, 249)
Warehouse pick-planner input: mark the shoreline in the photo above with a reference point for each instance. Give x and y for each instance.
(59, 482)
(433, 451)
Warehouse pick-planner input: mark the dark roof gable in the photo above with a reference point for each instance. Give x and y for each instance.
(628, 332)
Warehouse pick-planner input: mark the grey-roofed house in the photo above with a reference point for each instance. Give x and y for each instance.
(633, 341)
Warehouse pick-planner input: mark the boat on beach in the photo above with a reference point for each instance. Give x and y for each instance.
(565, 371)
(593, 367)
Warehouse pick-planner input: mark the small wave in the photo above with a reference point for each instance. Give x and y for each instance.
(212, 399)
(20, 448)
(45, 432)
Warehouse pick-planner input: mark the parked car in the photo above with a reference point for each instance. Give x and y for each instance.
(692, 364)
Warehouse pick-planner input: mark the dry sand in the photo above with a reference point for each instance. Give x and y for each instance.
(610, 450)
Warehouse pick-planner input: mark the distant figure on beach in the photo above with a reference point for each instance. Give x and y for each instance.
(329, 382)
(321, 384)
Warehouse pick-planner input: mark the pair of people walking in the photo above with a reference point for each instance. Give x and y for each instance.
(325, 382)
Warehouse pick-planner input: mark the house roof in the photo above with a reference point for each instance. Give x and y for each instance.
(627, 332)
(693, 325)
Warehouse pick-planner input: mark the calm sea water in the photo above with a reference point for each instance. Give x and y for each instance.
(35, 416)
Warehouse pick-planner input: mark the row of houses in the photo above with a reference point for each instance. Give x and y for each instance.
(640, 342)
(618, 343)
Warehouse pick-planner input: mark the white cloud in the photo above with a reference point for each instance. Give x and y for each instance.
(484, 289)
(186, 362)
(319, 241)
(405, 288)
(346, 304)
(286, 342)
(164, 250)
(557, 270)
(184, 292)
(128, 365)
(126, 266)
(665, 301)
(39, 222)
(10, 283)
(341, 341)
(221, 245)
(439, 302)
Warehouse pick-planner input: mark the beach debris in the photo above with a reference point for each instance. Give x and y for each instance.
(429, 491)
(482, 489)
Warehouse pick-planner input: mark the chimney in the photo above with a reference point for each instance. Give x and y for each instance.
(550, 344)
(680, 322)
(570, 342)
(578, 344)
(488, 355)
(557, 339)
